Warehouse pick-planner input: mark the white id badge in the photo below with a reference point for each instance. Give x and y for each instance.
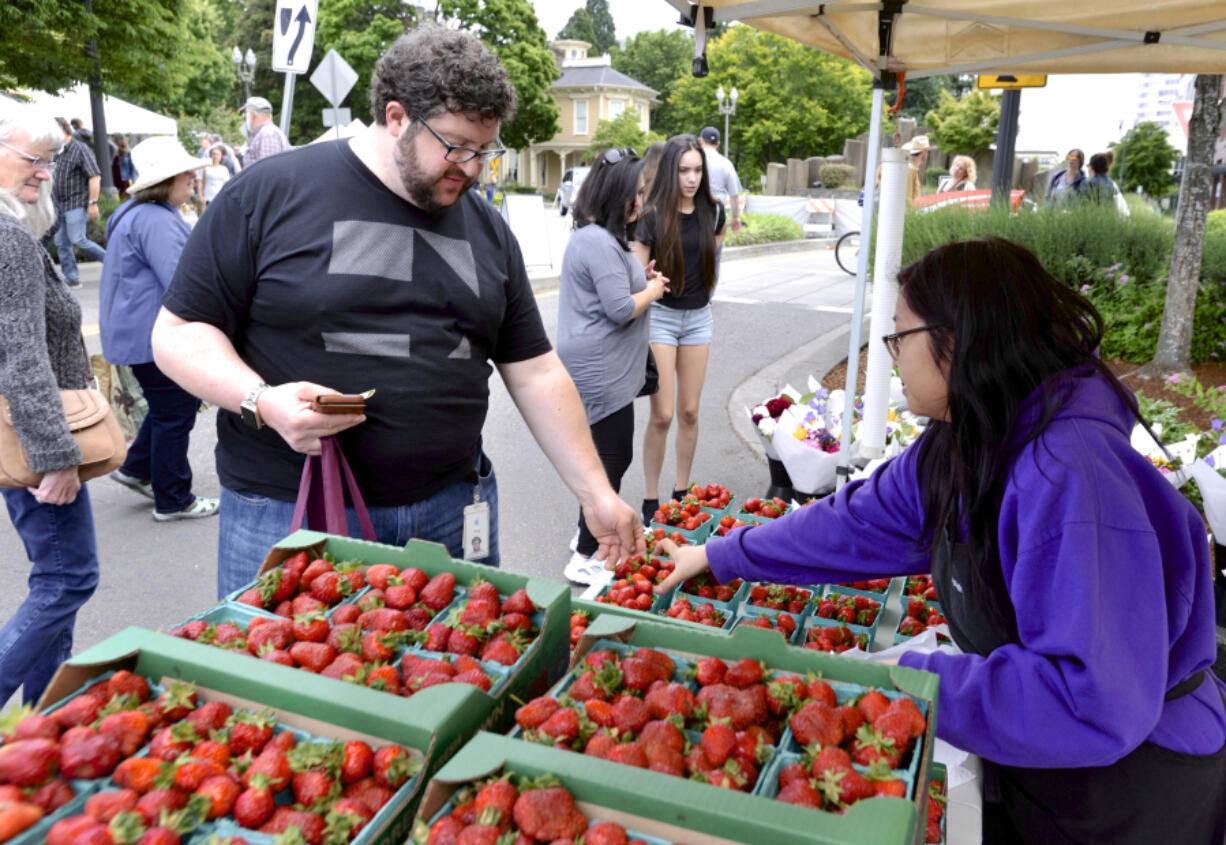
(477, 531)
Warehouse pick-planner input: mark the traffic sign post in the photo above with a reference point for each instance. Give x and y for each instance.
(293, 39)
(334, 79)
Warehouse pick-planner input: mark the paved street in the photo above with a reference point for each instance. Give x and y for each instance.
(778, 316)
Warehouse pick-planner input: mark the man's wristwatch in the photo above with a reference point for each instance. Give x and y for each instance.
(93, 202)
(249, 411)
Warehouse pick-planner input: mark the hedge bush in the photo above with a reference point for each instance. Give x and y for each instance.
(1120, 263)
(836, 175)
(764, 229)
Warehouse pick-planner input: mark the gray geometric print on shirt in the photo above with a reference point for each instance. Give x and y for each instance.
(363, 248)
(459, 257)
(464, 350)
(367, 343)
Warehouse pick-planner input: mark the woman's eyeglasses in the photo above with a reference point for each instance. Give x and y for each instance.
(39, 162)
(893, 341)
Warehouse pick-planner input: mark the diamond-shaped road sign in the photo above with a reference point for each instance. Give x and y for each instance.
(293, 35)
(334, 77)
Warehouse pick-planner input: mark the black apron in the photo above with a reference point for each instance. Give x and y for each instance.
(1151, 796)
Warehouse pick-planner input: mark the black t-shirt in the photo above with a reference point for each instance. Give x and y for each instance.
(694, 295)
(317, 272)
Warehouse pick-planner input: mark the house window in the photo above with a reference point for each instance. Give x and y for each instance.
(616, 107)
(580, 117)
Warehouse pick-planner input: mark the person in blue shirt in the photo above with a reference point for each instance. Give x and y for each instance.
(145, 237)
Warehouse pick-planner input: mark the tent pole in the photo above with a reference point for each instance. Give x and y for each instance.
(857, 316)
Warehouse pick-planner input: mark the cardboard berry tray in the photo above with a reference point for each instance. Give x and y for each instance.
(883, 820)
(871, 630)
(141, 652)
(878, 595)
(746, 614)
(728, 609)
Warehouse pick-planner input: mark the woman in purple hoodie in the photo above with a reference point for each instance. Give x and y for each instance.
(1075, 578)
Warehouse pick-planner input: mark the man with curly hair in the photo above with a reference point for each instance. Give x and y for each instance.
(368, 263)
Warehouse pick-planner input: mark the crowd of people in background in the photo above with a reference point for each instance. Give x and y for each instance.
(1072, 183)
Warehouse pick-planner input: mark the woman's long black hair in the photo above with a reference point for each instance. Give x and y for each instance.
(664, 203)
(607, 195)
(1007, 329)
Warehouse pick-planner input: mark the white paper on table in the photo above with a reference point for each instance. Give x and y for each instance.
(924, 642)
(952, 758)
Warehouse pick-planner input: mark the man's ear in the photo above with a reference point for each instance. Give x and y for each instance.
(396, 118)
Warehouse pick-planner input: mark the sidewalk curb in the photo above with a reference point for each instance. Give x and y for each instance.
(826, 351)
(549, 281)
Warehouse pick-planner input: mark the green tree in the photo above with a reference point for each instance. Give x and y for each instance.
(579, 28)
(623, 131)
(510, 29)
(924, 95)
(602, 25)
(201, 76)
(1145, 157)
(794, 101)
(966, 125)
(43, 43)
(658, 60)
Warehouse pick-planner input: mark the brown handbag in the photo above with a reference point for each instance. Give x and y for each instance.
(93, 426)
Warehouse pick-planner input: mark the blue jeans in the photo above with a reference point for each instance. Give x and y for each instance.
(72, 233)
(250, 524)
(60, 542)
(159, 451)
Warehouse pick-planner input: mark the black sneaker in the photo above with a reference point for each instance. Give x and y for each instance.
(681, 494)
(650, 506)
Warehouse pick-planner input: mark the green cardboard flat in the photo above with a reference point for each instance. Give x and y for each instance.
(672, 808)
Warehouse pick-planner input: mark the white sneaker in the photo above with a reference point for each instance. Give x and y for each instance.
(574, 540)
(582, 569)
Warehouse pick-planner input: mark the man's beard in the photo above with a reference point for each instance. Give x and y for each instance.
(420, 188)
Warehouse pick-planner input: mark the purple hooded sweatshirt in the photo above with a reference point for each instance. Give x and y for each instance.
(1107, 567)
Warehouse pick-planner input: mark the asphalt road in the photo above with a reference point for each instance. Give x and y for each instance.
(155, 575)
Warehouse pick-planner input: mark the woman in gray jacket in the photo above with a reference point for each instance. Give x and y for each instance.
(602, 327)
(42, 352)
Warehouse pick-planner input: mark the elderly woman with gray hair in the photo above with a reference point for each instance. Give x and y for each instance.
(42, 353)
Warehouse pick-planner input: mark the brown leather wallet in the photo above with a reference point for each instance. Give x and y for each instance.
(341, 403)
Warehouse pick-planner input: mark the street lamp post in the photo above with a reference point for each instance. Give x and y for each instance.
(247, 75)
(727, 107)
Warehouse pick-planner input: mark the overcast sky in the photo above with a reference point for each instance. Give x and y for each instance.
(1074, 110)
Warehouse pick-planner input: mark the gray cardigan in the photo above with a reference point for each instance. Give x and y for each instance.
(40, 347)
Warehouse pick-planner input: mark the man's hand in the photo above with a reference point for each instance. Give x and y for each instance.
(91, 211)
(736, 224)
(286, 409)
(691, 561)
(616, 527)
(59, 487)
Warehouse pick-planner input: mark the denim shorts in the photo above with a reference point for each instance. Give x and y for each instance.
(677, 327)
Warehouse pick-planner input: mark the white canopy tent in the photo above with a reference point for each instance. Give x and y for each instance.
(121, 116)
(922, 38)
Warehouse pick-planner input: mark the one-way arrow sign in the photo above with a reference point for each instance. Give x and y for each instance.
(293, 35)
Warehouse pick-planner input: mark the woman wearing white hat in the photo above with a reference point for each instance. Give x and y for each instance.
(144, 239)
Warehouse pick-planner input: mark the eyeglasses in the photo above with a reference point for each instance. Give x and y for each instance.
(616, 154)
(459, 155)
(39, 162)
(892, 341)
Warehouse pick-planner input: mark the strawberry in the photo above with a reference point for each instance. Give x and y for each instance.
(418, 618)
(29, 761)
(499, 796)
(630, 714)
(518, 602)
(279, 633)
(851, 717)
(104, 806)
(400, 596)
(89, 758)
(717, 743)
(436, 637)
(599, 712)
(628, 754)
(907, 706)
(159, 836)
(370, 792)
(561, 728)
(598, 657)
(212, 749)
(463, 640)
(501, 650)
(345, 614)
(177, 700)
(599, 744)
(210, 716)
(222, 791)
(446, 831)
(482, 590)
(439, 592)
(278, 656)
(250, 731)
(32, 725)
(254, 805)
(169, 743)
(535, 712)
(710, 670)
(310, 825)
(189, 773)
(49, 797)
(844, 788)
(137, 774)
(476, 678)
(356, 761)
(548, 814)
(344, 666)
(192, 630)
(382, 676)
(314, 788)
(273, 764)
(314, 569)
(64, 831)
(151, 805)
(313, 657)
(127, 683)
(638, 674)
(819, 690)
(383, 620)
(872, 704)
(816, 722)
(379, 647)
(16, 816)
(380, 575)
(347, 816)
(666, 699)
(310, 627)
(743, 673)
(393, 765)
(792, 772)
(345, 636)
(801, 793)
(661, 732)
(82, 710)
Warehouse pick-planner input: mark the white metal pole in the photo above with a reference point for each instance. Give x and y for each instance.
(857, 317)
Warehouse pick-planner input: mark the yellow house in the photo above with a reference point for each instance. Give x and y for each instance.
(588, 91)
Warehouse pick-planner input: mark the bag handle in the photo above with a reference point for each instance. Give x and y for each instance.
(321, 495)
